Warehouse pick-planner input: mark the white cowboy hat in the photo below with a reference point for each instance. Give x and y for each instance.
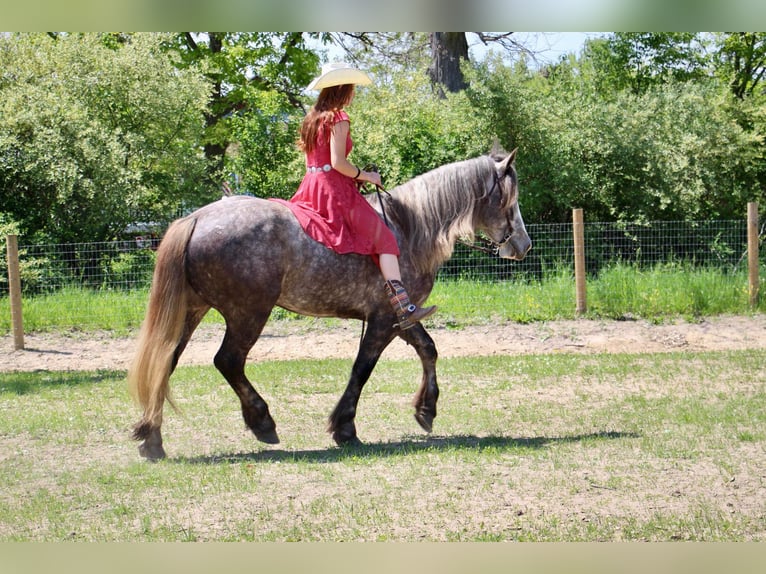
(337, 74)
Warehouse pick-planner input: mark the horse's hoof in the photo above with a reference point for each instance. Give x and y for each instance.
(269, 437)
(347, 442)
(152, 453)
(425, 420)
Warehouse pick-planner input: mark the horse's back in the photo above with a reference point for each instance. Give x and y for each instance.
(252, 249)
(238, 246)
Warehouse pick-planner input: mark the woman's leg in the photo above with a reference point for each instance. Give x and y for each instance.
(389, 267)
(407, 314)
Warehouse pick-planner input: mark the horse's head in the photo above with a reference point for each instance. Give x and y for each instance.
(499, 216)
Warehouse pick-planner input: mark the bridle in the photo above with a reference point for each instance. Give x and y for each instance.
(488, 245)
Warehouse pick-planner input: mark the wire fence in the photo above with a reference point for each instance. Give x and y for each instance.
(111, 266)
(720, 244)
(124, 268)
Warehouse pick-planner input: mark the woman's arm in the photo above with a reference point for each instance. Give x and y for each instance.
(338, 156)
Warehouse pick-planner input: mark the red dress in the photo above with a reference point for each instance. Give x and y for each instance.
(330, 208)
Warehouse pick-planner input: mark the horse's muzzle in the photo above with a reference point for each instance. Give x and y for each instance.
(515, 248)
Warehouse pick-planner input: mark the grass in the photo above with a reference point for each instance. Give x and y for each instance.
(619, 291)
(552, 447)
(616, 292)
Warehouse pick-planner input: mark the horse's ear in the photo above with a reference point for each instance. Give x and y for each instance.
(507, 163)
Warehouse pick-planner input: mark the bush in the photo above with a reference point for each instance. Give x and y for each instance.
(674, 152)
(128, 270)
(406, 129)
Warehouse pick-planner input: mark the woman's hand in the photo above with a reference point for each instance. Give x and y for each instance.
(371, 176)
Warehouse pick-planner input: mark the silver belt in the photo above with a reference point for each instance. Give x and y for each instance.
(316, 168)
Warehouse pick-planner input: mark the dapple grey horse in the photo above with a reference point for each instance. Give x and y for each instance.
(243, 255)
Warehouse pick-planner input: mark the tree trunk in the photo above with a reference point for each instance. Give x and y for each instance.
(447, 49)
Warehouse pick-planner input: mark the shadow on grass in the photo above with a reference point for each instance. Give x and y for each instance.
(405, 447)
(29, 382)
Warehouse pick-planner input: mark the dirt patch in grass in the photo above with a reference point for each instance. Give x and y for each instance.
(318, 339)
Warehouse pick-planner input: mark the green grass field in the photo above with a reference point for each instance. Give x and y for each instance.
(654, 447)
(664, 291)
(552, 447)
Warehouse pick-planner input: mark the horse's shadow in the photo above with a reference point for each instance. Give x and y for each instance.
(403, 447)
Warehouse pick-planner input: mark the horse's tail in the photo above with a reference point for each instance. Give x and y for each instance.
(162, 328)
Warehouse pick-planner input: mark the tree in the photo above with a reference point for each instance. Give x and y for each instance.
(639, 60)
(673, 152)
(741, 60)
(95, 134)
(448, 49)
(238, 64)
(442, 53)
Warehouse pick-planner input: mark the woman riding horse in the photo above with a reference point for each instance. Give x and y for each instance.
(328, 204)
(245, 255)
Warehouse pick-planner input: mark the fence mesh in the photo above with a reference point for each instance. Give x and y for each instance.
(722, 244)
(113, 265)
(125, 267)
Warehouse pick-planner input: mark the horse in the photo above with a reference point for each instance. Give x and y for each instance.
(244, 255)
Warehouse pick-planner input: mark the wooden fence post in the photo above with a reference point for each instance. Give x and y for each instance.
(752, 252)
(578, 229)
(14, 284)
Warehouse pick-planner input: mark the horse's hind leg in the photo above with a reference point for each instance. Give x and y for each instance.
(151, 444)
(230, 361)
(428, 393)
(194, 315)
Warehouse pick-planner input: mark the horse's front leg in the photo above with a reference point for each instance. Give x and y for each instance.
(341, 423)
(428, 393)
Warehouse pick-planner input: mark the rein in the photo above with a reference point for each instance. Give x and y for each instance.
(361, 185)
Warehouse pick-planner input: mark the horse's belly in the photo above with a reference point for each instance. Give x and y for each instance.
(330, 285)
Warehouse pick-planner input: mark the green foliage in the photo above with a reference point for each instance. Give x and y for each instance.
(741, 61)
(404, 128)
(521, 112)
(100, 130)
(266, 161)
(245, 70)
(637, 61)
(93, 135)
(624, 142)
(672, 152)
(127, 270)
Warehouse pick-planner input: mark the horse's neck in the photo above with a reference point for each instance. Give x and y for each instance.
(441, 207)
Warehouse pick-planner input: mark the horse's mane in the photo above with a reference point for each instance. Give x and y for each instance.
(436, 208)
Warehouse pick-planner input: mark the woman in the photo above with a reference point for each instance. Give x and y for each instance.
(328, 204)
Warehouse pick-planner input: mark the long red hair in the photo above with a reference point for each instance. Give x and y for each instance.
(330, 100)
